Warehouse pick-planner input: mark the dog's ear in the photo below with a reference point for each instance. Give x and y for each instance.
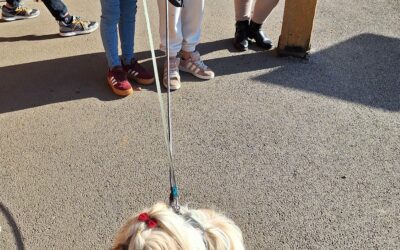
(123, 237)
(220, 231)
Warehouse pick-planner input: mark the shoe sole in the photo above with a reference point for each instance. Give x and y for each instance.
(15, 18)
(195, 74)
(142, 81)
(260, 45)
(240, 48)
(75, 33)
(264, 47)
(172, 88)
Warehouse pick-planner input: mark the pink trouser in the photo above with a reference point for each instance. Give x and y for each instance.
(262, 9)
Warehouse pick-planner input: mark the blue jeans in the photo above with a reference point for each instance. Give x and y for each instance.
(121, 14)
(56, 7)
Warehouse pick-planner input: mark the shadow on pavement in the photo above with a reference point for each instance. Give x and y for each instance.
(364, 70)
(15, 230)
(52, 81)
(239, 62)
(29, 38)
(40, 83)
(225, 44)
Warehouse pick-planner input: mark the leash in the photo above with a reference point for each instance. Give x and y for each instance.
(174, 195)
(167, 126)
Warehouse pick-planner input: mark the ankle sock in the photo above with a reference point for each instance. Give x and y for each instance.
(243, 23)
(255, 26)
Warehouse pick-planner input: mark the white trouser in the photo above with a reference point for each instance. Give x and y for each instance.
(184, 26)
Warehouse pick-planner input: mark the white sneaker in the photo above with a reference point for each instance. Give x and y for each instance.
(195, 66)
(18, 13)
(175, 78)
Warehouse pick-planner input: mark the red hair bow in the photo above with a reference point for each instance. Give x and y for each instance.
(144, 217)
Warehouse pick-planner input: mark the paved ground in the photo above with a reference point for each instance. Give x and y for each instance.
(302, 155)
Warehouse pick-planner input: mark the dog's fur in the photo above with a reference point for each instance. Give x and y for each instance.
(201, 229)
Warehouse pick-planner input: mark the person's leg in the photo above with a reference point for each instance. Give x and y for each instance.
(69, 25)
(116, 76)
(192, 18)
(262, 9)
(127, 29)
(175, 41)
(127, 36)
(13, 10)
(58, 9)
(242, 17)
(175, 28)
(243, 10)
(110, 10)
(13, 3)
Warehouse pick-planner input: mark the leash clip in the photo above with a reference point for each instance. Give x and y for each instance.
(174, 199)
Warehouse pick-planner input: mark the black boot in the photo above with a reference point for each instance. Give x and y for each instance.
(256, 33)
(240, 41)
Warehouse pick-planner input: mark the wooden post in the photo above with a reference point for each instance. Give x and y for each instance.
(298, 19)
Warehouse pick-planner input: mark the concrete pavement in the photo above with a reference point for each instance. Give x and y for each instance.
(301, 154)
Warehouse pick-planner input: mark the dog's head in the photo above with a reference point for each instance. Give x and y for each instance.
(160, 228)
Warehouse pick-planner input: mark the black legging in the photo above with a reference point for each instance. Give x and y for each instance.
(56, 7)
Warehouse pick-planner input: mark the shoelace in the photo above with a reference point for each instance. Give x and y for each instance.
(174, 69)
(78, 21)
(23, 10)
(200, 64)
(137, 67)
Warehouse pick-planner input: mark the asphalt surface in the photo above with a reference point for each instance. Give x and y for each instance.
(301, 154)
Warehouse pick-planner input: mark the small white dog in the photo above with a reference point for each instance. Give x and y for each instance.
(160, 228)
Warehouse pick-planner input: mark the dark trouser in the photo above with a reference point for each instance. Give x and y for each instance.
(56, 7)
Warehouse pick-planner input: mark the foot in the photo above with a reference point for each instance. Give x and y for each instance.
(258, 35)
(18, 13)
(240, 41)
(175, 78)
(77, 26)
(195, 66)
(138, 73)
(118, 81)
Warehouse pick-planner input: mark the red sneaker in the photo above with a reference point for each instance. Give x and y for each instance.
(139, 74)
(118, 81)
